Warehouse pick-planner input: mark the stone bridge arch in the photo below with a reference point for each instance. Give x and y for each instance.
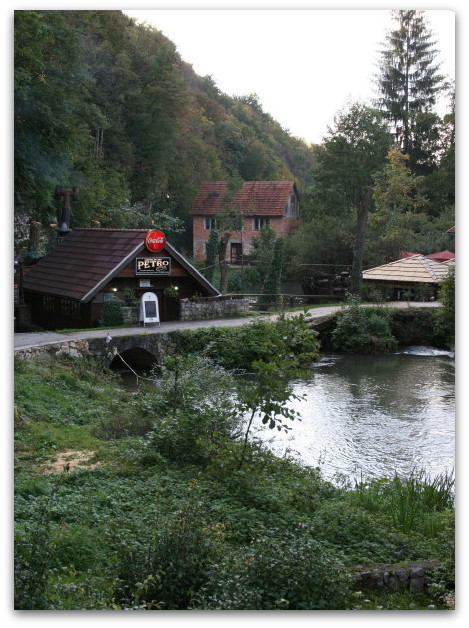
(143, 350)
(137, 359)
(140, 352)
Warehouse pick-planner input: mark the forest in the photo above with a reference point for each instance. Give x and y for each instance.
(107, 105)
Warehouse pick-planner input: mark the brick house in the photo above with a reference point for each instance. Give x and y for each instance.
(273, 204)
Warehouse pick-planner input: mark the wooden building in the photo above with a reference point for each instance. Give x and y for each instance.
(68, 287)
(273, 204)
(406, 276)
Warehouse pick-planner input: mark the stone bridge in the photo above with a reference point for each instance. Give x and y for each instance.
(139, 351)
(141, 347)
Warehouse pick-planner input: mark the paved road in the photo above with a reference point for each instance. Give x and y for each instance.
(37, 339)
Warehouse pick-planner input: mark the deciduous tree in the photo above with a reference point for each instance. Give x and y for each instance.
(352, 152)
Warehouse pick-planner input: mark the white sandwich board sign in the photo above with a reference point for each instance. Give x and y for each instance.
(149, 311)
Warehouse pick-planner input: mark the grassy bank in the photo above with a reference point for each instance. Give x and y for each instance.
(160, 499)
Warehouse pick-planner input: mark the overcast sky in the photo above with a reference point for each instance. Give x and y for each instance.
(304, 64)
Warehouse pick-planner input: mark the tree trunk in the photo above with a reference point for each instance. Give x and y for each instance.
(223, 245)
(362, 220)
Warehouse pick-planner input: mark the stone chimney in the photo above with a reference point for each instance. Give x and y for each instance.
(64, 223)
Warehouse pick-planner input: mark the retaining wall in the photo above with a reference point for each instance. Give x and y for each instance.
(155, 344)
(203, 309)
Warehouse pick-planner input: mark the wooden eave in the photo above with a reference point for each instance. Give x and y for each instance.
(88, 259)
(409, 270)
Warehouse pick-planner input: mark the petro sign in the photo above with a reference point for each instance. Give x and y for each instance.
(155, 241)
(153, 266)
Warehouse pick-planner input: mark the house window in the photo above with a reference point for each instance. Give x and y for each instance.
(210, 223)
(261, 223)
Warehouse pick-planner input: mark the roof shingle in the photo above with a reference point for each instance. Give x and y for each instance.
(87, 259)
(254, 198)
(415, 269)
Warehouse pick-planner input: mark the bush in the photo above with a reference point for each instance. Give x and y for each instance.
(191, 407)
(419, 326)
(112, 312)
(239, 348)
(278, 570)
(363, 330)
(167, 570)
(447, 295)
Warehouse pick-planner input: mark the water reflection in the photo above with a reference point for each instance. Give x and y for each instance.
(376, 415)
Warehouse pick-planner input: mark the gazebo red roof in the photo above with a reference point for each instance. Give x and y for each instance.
(442, 256)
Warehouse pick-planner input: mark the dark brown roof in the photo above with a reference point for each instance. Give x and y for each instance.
(255, 198)
(87, 259)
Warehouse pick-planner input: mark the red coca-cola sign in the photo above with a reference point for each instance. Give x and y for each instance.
(155, 241)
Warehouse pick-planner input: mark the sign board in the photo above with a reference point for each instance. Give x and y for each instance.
(149, 311)
(153, 266)
(155, 241)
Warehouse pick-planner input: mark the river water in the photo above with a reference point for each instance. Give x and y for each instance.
(368, 416)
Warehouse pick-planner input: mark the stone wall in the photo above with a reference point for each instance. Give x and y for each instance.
(131, 315)
(157, 345)
(75, 348)
(412, 577)
(208, 308)
(197, 309)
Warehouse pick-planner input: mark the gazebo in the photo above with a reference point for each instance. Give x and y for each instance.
(408, 275)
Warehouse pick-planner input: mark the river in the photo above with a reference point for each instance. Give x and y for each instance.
(368, 416)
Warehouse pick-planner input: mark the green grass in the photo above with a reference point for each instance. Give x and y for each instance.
(147, 529)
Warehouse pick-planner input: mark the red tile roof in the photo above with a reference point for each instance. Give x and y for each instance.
(268, 198)
(442, 256)
(403, 254)
(87, 259)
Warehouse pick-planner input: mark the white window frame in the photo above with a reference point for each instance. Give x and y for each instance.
(210, 223)
(260, 222)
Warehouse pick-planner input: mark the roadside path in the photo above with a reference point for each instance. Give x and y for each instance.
(38, 339)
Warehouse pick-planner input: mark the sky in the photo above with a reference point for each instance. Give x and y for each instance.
(304, 64)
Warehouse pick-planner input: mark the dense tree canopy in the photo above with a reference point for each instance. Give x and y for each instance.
(108, 105)
(352, 153)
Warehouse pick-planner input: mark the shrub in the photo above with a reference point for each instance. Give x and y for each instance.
(112, 312)
(447, 295)
(167, 570)
(191, 407)
(363, 330)
(278, 570)
(238, 348)
(419, 326)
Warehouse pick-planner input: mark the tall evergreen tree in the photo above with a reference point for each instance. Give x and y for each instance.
(408, 84)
